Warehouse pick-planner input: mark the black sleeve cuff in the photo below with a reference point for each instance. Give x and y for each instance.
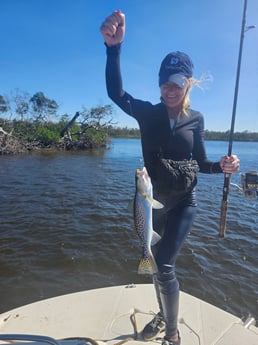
(113, 50)
(215, 168)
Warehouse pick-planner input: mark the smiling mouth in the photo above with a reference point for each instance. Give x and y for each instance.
(171, 98)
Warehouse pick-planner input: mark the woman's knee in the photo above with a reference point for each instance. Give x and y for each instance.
(167, 279)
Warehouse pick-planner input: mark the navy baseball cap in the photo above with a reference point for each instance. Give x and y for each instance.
(176, 67)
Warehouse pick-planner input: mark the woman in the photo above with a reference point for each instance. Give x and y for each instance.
(173, 130)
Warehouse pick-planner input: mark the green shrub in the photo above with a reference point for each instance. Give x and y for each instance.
(46, 135)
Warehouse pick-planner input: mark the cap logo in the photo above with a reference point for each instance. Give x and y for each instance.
(174, 60)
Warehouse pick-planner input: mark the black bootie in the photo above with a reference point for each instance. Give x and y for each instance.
(170, 303)
(156, 326)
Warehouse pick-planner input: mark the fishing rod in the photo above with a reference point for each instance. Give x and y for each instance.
(224, 203)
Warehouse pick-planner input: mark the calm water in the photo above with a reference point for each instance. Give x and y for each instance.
(66, 226)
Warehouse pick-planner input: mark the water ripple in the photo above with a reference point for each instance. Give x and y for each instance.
(66, 226)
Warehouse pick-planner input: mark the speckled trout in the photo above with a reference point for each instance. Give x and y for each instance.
(143, 205)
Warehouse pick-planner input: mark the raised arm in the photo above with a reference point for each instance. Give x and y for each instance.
(113, 30)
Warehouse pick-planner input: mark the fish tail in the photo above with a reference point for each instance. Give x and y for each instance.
(147, 266)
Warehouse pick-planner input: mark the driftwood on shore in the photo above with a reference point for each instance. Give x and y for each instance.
(8, 144)
(69, 124)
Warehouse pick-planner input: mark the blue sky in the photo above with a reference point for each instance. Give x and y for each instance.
(55, 46)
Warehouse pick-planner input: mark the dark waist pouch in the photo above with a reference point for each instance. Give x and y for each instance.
(176, 175)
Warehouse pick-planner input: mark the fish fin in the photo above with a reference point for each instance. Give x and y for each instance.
(156, 204)
(155, 238)
(150, 200)
(147, 266)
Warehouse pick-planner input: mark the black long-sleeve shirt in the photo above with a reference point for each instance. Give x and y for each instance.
(184, 141)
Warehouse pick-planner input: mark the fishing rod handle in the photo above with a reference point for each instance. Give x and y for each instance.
(223, 218)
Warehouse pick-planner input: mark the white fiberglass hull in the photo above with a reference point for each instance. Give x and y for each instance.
(114, 314)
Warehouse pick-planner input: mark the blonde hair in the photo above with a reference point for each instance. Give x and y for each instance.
(204, 79)
(186, 103)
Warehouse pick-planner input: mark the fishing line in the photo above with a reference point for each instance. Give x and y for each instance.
(182, 321)
(256, 113)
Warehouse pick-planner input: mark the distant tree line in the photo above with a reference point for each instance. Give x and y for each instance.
(29, 123)
(125, 132)
(224, 136)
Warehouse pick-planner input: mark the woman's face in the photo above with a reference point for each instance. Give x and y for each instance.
(172, 94)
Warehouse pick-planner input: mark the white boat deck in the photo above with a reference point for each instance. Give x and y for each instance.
(112, 315)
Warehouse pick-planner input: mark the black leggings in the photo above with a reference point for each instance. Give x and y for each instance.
(175, 226)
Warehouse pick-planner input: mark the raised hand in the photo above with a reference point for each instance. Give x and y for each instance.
(113, 28)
